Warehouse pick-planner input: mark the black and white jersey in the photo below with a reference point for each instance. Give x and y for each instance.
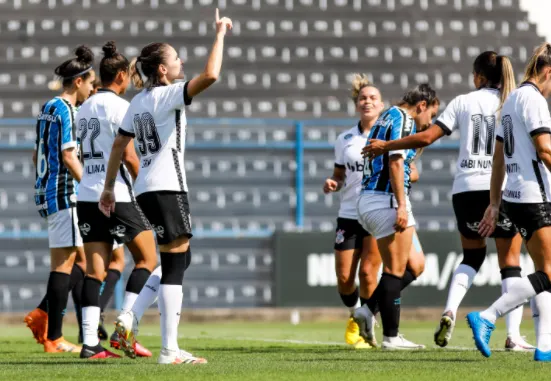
(348, 155)
(525, 114)
(157, 120)
(98, 121)
(476, 116)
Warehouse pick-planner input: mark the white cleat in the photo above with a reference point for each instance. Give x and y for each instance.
(400, 343)
(168, 356)
(518, 344)
(366, 322)
(126, 326)
(444, 332)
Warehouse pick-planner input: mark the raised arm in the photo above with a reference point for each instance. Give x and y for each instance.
(212, 70)
(418, 140)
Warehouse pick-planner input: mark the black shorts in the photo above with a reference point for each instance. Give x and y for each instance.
(169, 214)
(528, 217)
(349, 234)
(469, 208)
(125, 223)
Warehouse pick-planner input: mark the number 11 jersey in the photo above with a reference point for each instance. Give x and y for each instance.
(157, 119)
(98, 121)
(475, 115)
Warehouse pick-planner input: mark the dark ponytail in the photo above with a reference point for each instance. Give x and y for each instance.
(111, 64)
(422, 92)
(147, 65)
(78, 67)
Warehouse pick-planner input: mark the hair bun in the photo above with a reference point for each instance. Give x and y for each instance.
(109, 49)
(84, 54)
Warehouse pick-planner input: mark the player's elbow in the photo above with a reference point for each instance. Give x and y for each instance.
(210, 77)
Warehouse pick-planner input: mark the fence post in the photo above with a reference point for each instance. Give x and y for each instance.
(299, 177)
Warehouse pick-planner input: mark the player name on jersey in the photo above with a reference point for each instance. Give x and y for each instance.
(95, 168)
(478, 164)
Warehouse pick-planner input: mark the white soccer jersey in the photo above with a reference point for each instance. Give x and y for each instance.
(476, 116)
(348, 154)
(157, 119)
(525, 114)
(98, 121)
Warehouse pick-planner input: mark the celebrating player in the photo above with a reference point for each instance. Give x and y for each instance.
(156, 118)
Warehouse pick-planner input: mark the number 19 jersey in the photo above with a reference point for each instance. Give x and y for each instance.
(475, 115)
(157, 119)
(98, 120)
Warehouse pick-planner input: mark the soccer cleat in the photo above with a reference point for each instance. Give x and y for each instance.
(126, 327)
(352, 333)
(518, 344)
(400, 343)
(542, 356)
(97, 352)
(482, 332)
(362, 344)
(102, 332)
(37, 321)
(168, 356)
(139, 349)
(366, 322)
(443, 333)
(60, 345)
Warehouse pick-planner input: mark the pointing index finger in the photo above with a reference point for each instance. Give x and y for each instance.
(217, 17)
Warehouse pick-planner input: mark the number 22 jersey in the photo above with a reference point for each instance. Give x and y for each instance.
(98, 121)
(157, 119)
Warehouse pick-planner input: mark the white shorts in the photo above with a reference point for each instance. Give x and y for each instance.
(63, 229)
(377, 216)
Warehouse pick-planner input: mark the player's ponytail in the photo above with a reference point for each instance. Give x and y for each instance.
(78, 67)
(540, 59)
(111, 64)
(147, 65)
(507, 79)
(497, 72)
(422, 92)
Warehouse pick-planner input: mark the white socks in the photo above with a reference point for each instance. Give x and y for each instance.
(543, 324)
(461, 281)
(148, 294)
(518, 294)
(513, 318)
(129, 299)
(90, 322)
(170, 306)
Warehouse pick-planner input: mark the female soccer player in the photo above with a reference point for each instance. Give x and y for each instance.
(58, 172)
(384, 208)
(98, 121)
(156, 117)
(353, 244)
(523, 151)
(475, 114)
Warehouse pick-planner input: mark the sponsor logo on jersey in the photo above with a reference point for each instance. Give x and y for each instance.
(43, 206)
(119, 231)
(84, 228)
(355, 166)
(347, 136)
(47, 117)
(340, 236)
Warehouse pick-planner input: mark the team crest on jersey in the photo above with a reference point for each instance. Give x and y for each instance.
(119, 231)
(84, 228)
(340, 236)
(347, 136)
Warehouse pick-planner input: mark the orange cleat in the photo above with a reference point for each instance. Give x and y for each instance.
(37, 321)
(60, 345)
(139, 350)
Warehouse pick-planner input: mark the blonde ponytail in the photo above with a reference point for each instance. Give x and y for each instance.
(540, 58)
(507, 80)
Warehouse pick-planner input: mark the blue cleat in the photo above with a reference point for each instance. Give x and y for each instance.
(482, 331)
(542, 356)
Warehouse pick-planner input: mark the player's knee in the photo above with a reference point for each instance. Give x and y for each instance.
(474, 257)
(417, 268)
(368, 274)
(345, 281)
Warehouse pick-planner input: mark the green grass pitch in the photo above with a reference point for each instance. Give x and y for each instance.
(276, 351)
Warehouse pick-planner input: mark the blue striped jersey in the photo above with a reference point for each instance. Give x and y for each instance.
(55, 188)
(393, 124)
